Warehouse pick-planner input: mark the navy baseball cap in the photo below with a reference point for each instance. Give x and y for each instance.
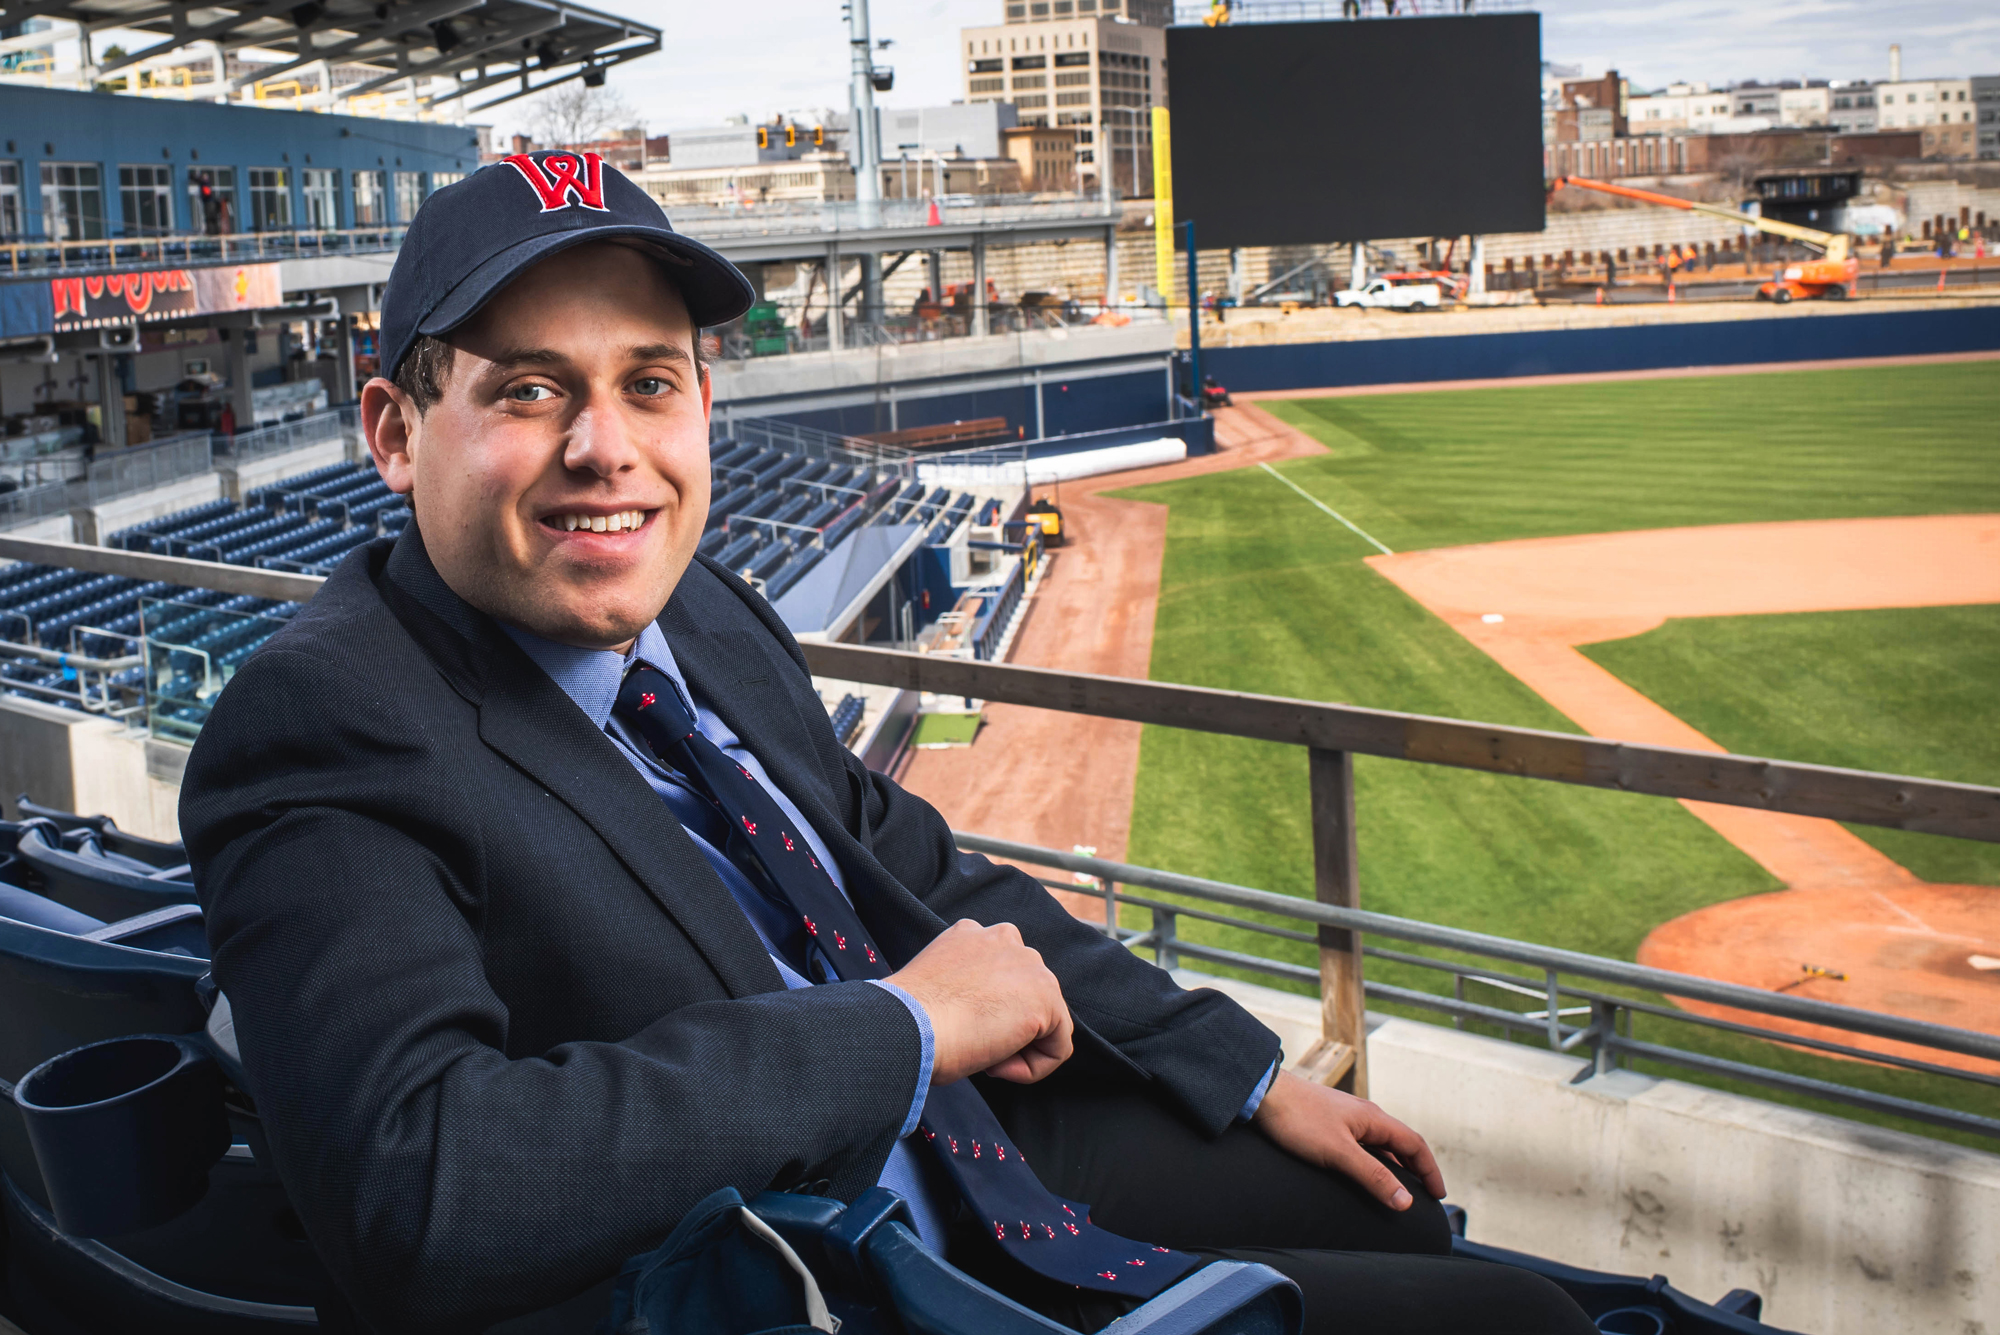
(475, 236)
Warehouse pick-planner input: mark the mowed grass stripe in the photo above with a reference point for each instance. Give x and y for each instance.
(1261, 592)
(1907, 689)
(1489, 465)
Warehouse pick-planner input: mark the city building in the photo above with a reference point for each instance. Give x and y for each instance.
(1046, 155)
(1682, 108)
(1942, 108)
(1808, 106)
(1589, 109)
(1099, 76)
(1986, 108)
(1853, 107)
(963, 129)
(1152, 13)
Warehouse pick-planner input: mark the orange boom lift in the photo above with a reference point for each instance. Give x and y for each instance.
(1831, 277)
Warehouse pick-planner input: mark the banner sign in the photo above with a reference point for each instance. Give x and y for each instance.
(144, 296)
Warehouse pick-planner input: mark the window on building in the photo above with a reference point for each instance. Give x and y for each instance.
(270, 199)
(212, 200)
(319, 189)
(409, 195)
(1070, 58)
(988, 66)
(72, 201)
(146, 195)
(985, 85)
(371, 199)
(439, 180)
(10, 200)
(1031, 62)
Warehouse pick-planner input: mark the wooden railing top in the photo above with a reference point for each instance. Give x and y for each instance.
(1929, 806)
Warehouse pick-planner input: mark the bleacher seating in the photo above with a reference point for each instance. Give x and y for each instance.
(846, 717)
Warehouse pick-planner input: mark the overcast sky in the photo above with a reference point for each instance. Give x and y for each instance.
(759, 56)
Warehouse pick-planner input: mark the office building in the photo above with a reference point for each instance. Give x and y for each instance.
(1100, 77)
(1942, 108)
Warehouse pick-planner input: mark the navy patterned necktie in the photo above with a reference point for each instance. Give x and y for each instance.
(1050, 1236)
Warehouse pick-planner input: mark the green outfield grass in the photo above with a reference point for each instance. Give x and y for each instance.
(1910, 690)
(1263, 592)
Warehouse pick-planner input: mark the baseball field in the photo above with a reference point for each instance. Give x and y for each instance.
(1802, 564)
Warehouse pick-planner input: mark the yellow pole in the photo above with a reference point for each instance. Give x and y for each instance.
(1163, 208)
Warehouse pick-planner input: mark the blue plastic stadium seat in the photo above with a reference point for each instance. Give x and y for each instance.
(153, 852)
(90, 880)
(236, 1262)
(879, 1277)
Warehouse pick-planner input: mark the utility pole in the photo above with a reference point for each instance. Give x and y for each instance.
(867, 153)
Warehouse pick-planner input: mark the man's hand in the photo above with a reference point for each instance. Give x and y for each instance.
(994, 1005)
(1326, 1127)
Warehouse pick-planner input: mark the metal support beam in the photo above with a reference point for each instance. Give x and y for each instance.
(835, 317)
(1111, 265)
(979, 322)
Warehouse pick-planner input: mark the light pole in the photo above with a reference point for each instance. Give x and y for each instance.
(867, 153)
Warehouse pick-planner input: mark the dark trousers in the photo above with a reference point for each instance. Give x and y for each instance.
(1148, 1175)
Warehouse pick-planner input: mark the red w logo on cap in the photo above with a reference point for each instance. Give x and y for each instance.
(555, 179)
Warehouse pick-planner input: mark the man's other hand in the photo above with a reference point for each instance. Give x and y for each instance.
(994, 1005)
(1326, 1127)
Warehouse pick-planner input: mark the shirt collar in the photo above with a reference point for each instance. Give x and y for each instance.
(591, 677)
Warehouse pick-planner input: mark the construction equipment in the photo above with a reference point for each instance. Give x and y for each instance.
(1832, 277)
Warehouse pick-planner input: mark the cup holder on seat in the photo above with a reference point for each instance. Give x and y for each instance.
(1633, 1321)
(124, 1131)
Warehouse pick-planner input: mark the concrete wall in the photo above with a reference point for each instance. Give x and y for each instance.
(50, 528)
(1843, 1228)
(1833, 331)
(237, 479)
(96, 523)
(93, 766)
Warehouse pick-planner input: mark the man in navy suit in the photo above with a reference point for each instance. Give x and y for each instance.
(513, 987)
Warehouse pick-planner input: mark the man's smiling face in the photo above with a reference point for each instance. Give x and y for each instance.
(561, 480)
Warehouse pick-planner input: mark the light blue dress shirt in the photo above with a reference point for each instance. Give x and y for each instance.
(591, 677)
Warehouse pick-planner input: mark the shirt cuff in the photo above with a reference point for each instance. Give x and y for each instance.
(1256, 1099)
(929, 1055)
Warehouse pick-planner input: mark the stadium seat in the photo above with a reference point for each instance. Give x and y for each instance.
(108, 886)
(236, 1262)
(154, 852)
(878, 1277)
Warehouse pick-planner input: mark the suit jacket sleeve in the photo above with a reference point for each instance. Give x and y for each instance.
(1201, 1048)
(446, 1180)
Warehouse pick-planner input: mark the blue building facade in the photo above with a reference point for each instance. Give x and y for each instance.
(103, 166)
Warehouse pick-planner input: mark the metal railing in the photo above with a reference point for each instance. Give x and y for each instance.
(141, 468)
(1604, 1040)
(793, 217)
(28, 258)
(341, 424)
(852, 451)
(30, 504)
(1333, 734)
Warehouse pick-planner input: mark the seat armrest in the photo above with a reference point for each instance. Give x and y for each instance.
(118, 933)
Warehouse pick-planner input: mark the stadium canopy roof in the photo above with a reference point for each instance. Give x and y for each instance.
(508, 48)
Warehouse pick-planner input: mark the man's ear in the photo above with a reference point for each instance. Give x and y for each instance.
(391, 423)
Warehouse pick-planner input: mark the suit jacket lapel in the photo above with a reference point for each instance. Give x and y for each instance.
(526, 718)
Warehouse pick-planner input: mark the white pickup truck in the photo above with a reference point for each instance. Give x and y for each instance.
(1380, 292)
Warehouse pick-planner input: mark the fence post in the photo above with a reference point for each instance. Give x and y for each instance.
(1340, 1058)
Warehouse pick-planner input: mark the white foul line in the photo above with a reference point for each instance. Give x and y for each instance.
(1316, 501)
